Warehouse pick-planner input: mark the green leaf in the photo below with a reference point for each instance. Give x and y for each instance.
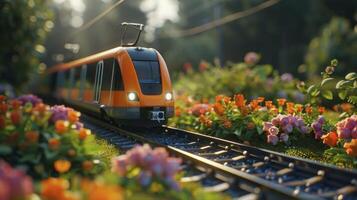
(327, 94)
(341, 83)
(326, 80)
(313, 90)
(351, 76)
(342, 94)
(5, 150)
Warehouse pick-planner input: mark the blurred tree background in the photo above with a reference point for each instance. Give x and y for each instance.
(294, 36)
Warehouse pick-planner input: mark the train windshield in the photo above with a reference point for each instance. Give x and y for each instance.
(147, 71)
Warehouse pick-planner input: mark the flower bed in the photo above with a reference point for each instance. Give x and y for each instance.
(45, 152)
(299, 129)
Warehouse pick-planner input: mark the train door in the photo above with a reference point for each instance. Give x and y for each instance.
(98, 81)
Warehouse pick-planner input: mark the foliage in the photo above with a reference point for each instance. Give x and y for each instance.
(46, 141)
(248, 78)
(346, 89)
(24, 26)
(337, 40)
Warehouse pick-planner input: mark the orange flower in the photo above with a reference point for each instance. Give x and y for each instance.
(254, 104)
(321, 110)
(177, 111)
(3, 107)
(218, 108)
(290, 107)
(239, 100)
(308, 109)
(2, 98)
(244, 110)
(220, 98)
(87, 165)
(268, 104)
(54, 143)
(32, 136)
(227, 123)
(54, 189)
(83, 133)
(299, 107)
(62, 166)
(15, 117)
(260, 99)
(281, 102)
(250, 125)
(346, 107)
(274, 110)
(61, 126)
(100, 191)
(73, 116)
(351, 147)
(15, 104)
(40, 107)
(330, 139)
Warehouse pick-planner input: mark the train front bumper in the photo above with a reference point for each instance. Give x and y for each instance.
(147, 113)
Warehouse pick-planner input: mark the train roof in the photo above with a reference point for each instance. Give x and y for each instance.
(147, 54)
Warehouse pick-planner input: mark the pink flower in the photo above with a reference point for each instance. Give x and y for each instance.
(273, 130)
(344, 133)
(273, 139)
(275, 121)
(251, 58)
(354, 133)
(287, 128)
(14, 184)
(284, 137)
(120, 165)
(300, 123)
(267, 125)
(284, 121)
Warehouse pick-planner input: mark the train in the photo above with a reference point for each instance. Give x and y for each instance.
(128, 85)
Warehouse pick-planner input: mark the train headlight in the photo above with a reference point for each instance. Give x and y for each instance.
(168, 96)
(132, 96)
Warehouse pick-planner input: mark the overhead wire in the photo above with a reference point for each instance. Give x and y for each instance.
(97, 18)
(221, 21)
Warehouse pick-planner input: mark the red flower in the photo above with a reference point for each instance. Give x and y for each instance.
(268, 104)
(32, 136)
(218, 108)
(227, 123)
(351, 147)
(199, 109)
(239, 100)
(254, 104)
(330, 139)
(15, 104)
(3, 107)
(15, 117)
(299, 108)
(220, 98)
(2, 122)
(321, 110)
(281, 102)
(260, 99)
(308, 109)
(2, 98)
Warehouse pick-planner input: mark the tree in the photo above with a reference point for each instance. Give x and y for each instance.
(23, 28)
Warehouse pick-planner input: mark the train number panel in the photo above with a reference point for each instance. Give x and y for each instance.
(130, 85)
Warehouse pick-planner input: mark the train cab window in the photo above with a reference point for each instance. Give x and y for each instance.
(118, 79)
(147, 71)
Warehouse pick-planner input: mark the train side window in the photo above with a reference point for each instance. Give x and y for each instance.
(107, 74)
(118, 79)
(90, 78)
(66, 79)
(77, 77)
(60, 79)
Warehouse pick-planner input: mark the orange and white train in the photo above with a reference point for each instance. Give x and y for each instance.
(130, 85)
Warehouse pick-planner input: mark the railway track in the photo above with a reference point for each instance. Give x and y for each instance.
(242, 171)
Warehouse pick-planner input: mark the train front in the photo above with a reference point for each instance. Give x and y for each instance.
(148, 92)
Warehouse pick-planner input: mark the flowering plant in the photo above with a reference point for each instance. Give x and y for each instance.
(14, 184)
(46, 140)
(148, 167)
